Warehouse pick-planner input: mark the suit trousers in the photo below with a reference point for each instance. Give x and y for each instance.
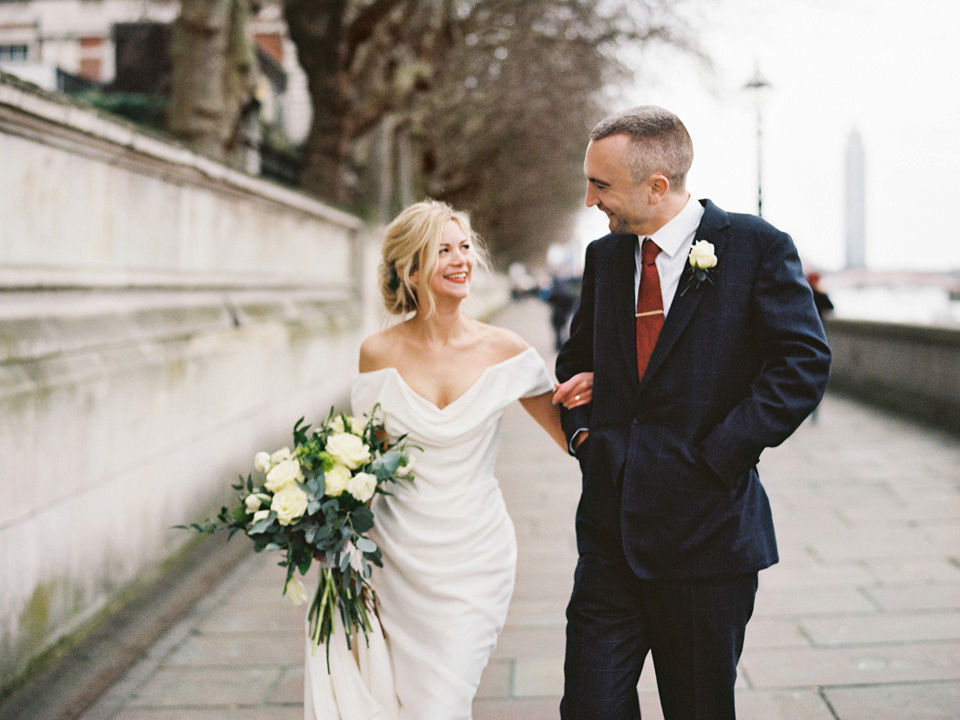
(694, 630)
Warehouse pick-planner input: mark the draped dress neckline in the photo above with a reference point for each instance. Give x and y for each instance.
(408, 389)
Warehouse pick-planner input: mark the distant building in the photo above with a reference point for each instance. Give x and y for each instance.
(856, 230)
(55, 42)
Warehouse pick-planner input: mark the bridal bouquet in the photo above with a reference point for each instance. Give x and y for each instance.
(312, 503)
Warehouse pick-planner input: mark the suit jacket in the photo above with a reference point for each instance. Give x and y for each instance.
(669, 468)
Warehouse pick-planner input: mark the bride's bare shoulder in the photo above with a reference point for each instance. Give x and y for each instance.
(503, 343)
(379, 350)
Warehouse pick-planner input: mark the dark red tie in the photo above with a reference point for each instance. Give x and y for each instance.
(649, 305)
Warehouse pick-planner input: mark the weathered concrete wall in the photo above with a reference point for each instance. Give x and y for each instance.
(161, 318)
(906, 368)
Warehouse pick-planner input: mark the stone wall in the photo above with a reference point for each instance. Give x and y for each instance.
(161, 318)
(906, 368)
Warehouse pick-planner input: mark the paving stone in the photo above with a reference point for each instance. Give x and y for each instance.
(537, 677)
(782, 705)
(920, 701)
(532, 611)
(799, 601)
(772, 633)
(531, 641)
(939, 596)
(289, 689)
(517, 709)
(253, 619)
(255, 713)
(497, 679)
(785, 575)
(241, 649)
(864, 543)
(188, 687)
(908, 628)
(916, 572)
(876, 664)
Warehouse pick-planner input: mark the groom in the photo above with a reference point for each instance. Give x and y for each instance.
(701, 360)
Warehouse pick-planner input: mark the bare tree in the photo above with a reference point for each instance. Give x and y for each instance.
(363, 59)
(492, 98)
(505, 127)
(214, 77)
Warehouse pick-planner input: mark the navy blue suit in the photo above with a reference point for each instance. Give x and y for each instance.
(671, 502)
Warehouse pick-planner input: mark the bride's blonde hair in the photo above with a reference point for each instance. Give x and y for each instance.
(411, 244)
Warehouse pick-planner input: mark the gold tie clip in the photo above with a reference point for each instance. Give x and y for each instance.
(650, 312)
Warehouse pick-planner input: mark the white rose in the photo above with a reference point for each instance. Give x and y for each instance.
(336, 480)
(353, 425)
(702, 256)
(261, 462)
(296, 592)
(405, 470)
(280, 455)
(259, 515)
(254, 501)
(362, 486)
(356, 425)
(289, 504)
(348, 450)
(286, 473)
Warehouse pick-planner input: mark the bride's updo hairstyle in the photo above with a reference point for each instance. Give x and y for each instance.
(411, 244)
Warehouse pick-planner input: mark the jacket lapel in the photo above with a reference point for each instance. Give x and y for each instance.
(685, 303)
(625, 304)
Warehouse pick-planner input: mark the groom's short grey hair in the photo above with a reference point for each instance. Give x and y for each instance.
(661, 143)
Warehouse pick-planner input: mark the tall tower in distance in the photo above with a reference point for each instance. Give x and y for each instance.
(856, 202)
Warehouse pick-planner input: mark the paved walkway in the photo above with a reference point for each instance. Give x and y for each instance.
(860, 621)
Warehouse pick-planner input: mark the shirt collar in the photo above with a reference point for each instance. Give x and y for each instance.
(670, 237)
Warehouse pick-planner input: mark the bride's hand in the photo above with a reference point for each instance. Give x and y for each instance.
(576, 391)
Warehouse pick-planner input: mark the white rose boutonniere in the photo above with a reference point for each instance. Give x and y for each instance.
(703, 260)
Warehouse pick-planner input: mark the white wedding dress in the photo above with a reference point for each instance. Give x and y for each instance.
(449, 555)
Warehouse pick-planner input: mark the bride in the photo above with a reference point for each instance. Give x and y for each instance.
(449, 550)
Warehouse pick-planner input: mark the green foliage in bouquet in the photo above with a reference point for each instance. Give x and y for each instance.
(313, 504)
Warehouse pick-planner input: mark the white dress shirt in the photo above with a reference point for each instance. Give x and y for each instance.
(675, 240)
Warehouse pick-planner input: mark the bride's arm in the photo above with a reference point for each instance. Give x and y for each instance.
(542, 409)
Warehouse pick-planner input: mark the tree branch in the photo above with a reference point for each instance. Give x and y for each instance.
(365, 24)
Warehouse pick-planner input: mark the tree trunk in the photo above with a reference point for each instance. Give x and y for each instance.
(214, 67)
(317, 29)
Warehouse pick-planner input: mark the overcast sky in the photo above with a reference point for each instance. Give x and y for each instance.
(888, 68)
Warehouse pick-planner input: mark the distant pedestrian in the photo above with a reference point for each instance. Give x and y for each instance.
(562, 297)
(820, 298)
(824, 308)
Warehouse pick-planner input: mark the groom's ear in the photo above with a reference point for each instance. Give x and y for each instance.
(659, 187)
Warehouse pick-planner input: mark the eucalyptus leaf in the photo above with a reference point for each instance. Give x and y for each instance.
(365, 544)
(261, 526)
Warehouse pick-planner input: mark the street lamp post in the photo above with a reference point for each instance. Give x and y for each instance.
(758, 84)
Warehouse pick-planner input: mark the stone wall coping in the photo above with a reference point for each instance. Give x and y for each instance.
(163, 155)
(922, 334)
